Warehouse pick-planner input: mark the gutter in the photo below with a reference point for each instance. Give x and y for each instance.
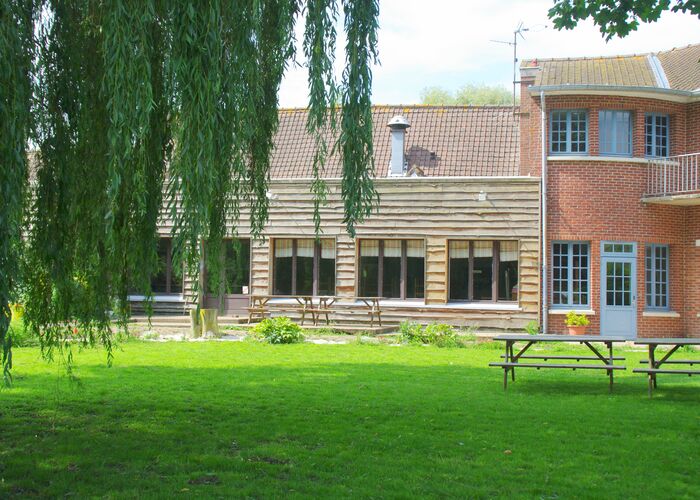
(543, 190)
(682, 95)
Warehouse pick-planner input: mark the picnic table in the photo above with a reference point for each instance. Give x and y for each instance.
(373, 308)
(513, 359)
(259, 307)
(317, 307)
(655, 367)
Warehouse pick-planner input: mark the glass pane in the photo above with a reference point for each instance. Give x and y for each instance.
(392, 269)
(508, 271)
(326, 271)
(483, 270)
(560, 275)
(305, 267)
(369, 268)
(159, 282)
(282, 267)
(236, 266)
(415, 269)
(459, 270)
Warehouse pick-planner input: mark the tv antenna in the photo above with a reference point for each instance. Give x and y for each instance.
(519, 30)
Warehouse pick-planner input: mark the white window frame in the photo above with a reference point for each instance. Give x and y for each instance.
(570, 276)
(568, 141)
(653, 135)
(651, 297)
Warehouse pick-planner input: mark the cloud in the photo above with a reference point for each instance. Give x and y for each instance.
(449, 43)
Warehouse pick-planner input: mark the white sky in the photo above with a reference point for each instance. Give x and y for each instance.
(447, 43)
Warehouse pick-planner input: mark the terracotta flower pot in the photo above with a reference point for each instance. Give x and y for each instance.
(577, 330)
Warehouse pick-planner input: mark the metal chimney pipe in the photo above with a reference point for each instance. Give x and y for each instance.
(398, 126)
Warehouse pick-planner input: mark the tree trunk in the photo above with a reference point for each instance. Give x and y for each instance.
(195, 324)
(210, 322)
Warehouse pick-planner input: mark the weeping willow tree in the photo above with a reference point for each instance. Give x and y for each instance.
(129, 106)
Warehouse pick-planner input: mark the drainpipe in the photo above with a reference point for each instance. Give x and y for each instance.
(543, 190)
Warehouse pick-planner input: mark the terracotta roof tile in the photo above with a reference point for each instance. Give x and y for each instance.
(442, 141)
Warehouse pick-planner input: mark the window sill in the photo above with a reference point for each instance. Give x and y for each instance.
(608, 159)
(563, 312)
(661, 314)
(465, 306)
(158, 298)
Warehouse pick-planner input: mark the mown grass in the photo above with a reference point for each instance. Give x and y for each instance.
(252, 420)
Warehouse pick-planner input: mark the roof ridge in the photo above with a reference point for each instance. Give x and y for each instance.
(415, 106)
(617, 56)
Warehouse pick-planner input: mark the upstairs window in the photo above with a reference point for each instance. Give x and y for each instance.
(392, 269)
(304, 267)
(568, 132)
(657, 276)
(615, 133)
(656, 135)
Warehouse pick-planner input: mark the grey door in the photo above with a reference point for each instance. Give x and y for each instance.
(618, 303)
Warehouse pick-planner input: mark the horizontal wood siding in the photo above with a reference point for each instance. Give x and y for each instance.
(433, 210)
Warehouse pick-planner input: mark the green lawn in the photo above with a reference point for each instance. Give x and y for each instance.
(251, 420)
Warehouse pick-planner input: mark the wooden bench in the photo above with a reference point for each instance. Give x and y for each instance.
(545, 357)
(554, 365)
(654, 365)
(664, 370)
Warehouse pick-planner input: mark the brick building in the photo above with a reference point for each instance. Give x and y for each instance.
(620, 165)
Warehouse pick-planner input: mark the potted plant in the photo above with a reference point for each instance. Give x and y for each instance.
(576, 323)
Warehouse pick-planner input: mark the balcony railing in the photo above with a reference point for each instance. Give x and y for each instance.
(675, 175)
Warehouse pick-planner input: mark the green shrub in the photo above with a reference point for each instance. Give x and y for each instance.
(441, 335)
(410, 332)
(573, 319)
(532, 328)
(437, 334)
(279, 330)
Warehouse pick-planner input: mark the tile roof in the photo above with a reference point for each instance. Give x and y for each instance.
(681, 67)
(441, 141)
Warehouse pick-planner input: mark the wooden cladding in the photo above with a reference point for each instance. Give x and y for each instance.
(432, 211)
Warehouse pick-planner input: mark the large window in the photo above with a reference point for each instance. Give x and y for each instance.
(656, 134)
(235, 269)
(568, 132)
(657, 277)
(304, 267)
(615, 132)
(392, 269)
(169, 277)
(483, 270)
(570, 274)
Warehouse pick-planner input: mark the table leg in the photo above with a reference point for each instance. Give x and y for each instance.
(512, 371)
(652, 365)
(652, 362)
(610, 362)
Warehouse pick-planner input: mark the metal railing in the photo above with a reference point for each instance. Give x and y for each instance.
(673, 175)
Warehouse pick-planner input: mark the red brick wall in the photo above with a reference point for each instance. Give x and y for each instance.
(684, 134)
(598, 201)
(692, 283)
(594, 202)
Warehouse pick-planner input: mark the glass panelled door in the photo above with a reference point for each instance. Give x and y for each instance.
(618, 290)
